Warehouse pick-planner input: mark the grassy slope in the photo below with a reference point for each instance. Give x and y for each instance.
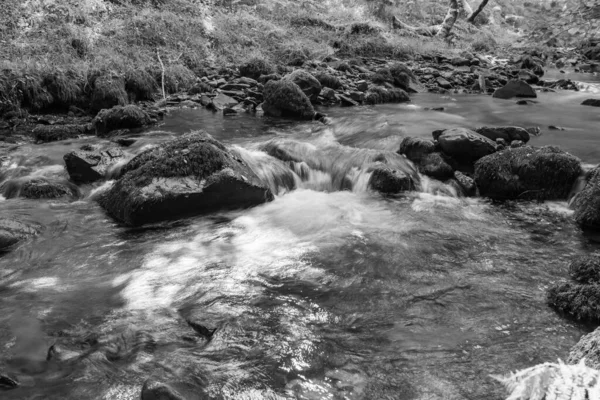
(52, 51)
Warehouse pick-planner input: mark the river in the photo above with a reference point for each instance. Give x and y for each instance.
(321, 294)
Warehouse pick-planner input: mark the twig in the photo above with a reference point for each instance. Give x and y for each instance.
(162, 66)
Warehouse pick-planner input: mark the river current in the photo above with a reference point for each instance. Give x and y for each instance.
(321, 294)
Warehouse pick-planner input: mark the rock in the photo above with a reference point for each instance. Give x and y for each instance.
(52, 133)
(221, 101)
(363, 86)
(255, 67)
(460, 61)
(91, 166)
(388, 180)
(508, 133)
(329, 81)
(269, 77)
(120, 117)
(464, 145)
(7, 382)
(306, 82)
(13, 231)
(591, 102)
(193, 174)
(515, 89)
(466, 183)
(588, 347)
(436, 166)
(415, 149)
(586, 203)
(585, 269)
(41, 188)
(328, 94)
(528, 77)
(285, 98)
(358, 97)
(527, 173)
(380, 95)
(516, 143)
(346, 101)
(443, 83)
(154, 389)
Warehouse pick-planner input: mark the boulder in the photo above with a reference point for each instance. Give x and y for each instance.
(120, 117)
(508, 133)
(193, 174)
(38, 188)
(90, 166)
(464, 145)
(388, 180)
(546, 173)
(515, 88)
(415, 149)
(285, 98)
(53, 133)
(306, 82)
(591, 102)
(586, 203)
(221, 102)
(13, 231)
(436, 165)
(588, 347)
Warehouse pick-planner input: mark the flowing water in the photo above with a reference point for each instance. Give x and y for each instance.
(328, 292)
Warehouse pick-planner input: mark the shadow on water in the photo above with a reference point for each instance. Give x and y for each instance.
(324, 293)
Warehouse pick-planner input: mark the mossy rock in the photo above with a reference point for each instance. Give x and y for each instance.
(328, 80)
(588, 347)
(581, 302)
(527, 173)
(387, 180)
(120, 117)
(256, 67)
(585, 269)
(285, 98)
(586, 203)
(191, 175)
(108, 91)
(436, 165)
(305, 81)
(38, 188)
(53, 133)
(380, 95)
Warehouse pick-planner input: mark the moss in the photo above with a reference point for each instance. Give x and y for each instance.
(140, 85)
(401, 75)
(286, 97)
(581, 302)
(362, 28)
(381, 76)
(108, 91)
(65, 88)
(380, 95)
(329, 81)
(255, 67)
(311, 22)
(585, 269)
(177, 78)
(120, 117)
(527, 173)
(587, 203)
(44, 189)
(33, 95)
(52, 133)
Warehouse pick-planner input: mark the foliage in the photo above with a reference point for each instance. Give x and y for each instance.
(550, 381)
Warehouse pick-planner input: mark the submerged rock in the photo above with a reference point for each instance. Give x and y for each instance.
(13, 231)
(390, 181)
(53, 133)
(515, 89)
(191, 175)
(508, 133)
(120, 117)
(527, 173)
(588, 347)
(306, 82)
(586, 203)
(464, 145)
(90, 166)
(285, 98)
(38, 188)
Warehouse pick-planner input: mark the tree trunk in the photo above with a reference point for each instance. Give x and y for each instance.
(472, 17)
(450, 19)
(464, 9)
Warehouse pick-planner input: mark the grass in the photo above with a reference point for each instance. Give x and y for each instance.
(105, 53)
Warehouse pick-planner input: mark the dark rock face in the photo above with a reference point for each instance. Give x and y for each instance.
(508, 133)
(306, 82)
(464, 145)
(285, 98)
(388, 180)
(120, 117)
(90, 166)
(587, 202)
(191, 175)
(591, 102)
(38, 188)
(515, 89)
(415, 149)
(52, 133)
(436, 165)
(13, 231)
(588, 347)
(527, 173)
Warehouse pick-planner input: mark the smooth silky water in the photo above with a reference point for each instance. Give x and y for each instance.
(321, 294)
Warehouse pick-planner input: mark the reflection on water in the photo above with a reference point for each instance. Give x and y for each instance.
(321, 294)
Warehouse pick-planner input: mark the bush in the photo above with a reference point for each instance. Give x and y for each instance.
(65, 88)
(255, 67)
(581, 302)
(108, 91)
(140, 85)
(33, 95)
(177, 78)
